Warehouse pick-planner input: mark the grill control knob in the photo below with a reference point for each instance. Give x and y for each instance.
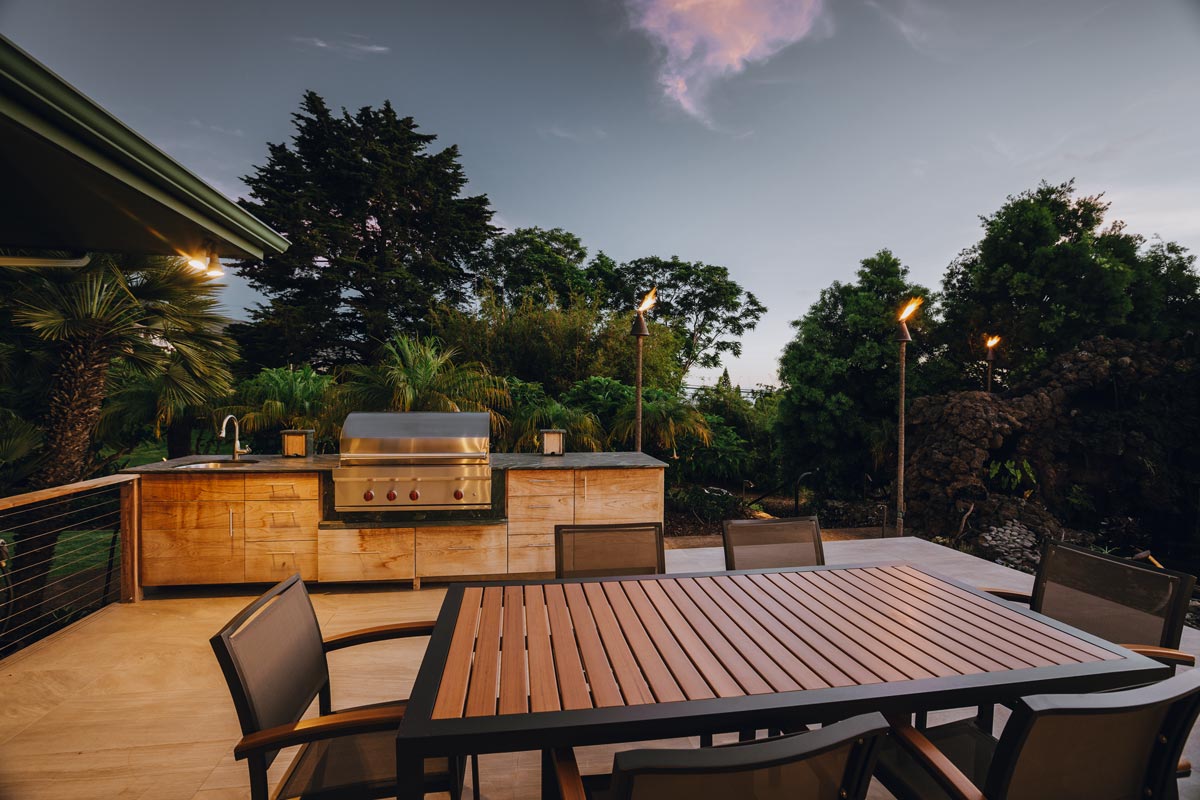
(368, 495)
(458, 495)
(414, 495)
(391, 495)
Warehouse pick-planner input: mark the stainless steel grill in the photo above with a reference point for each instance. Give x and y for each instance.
(414, 461)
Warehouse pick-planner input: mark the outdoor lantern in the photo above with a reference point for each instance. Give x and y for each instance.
(553, 441)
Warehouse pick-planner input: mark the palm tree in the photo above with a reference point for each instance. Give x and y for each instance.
(665, 418)
(583, 431)
(285, 397)
(420, 375)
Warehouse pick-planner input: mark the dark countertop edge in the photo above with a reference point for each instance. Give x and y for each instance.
(326, 463)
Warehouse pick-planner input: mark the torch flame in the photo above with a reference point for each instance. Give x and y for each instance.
(992, 341)
(649, 300)
(909, 309)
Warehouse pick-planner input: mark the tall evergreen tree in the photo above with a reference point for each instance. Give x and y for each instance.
(379, 229)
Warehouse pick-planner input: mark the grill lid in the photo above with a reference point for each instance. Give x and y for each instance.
(415, 437)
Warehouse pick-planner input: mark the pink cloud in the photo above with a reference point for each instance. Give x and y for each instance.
(705, 40)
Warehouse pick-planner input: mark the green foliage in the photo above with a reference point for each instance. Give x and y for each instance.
(706, 504)
(666, 421)
(282, 398)
(724, 458)
(837, 412)
(533, 410)
(379, 232)
(1013, 476)
(542, 265)
(602, 397)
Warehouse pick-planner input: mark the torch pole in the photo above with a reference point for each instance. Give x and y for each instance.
(637, 413)
(990, 359)
(900, 446)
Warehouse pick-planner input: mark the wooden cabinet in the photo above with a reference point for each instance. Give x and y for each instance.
(229, 528)
(618, 495)
(537, 500)
(193, 529)
(465, 550)
(365, 554)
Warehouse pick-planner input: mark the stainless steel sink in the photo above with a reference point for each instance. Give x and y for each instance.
(218, 464)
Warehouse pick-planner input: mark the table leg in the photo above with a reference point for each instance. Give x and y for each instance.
(410, 775)
(549, 779)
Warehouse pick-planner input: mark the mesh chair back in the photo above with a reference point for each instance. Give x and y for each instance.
(766, 543)
(273, 658)
(1082, 747)
(1113, 598)
(828, 764)
(588, 551)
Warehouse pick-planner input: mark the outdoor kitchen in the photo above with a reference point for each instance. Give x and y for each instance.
(409, 497)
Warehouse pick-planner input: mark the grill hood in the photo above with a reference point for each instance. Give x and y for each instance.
(415, 437)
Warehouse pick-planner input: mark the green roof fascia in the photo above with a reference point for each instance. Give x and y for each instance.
(36, 98)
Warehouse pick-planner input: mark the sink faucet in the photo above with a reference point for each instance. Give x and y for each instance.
(238, 450)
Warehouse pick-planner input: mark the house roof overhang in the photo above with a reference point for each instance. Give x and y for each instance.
(74, 177)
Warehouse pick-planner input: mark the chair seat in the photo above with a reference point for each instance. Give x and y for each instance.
(361, 766)
(968, 748)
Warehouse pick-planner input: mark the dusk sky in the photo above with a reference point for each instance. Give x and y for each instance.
(783, 139)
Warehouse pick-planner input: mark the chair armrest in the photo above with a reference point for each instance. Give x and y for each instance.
(1168, 656)
(329, 726)
(566, 774)
(379, 633)
(933, 761)
(1012, 595)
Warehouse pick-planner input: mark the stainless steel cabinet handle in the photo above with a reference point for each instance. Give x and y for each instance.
(231, 522)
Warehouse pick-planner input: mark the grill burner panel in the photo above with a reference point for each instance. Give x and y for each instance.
(417, 461)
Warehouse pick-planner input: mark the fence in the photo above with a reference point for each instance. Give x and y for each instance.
(61, 556)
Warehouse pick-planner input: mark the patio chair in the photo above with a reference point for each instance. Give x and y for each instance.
(1069, 747)
(274, 661)
(833, 763)
(590, 551)
(766, 543)
(1139, 606)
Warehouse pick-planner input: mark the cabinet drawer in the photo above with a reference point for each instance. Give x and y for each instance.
(614, 508)
(273, 561)
(284, 486)
(531, 553)
(187, 571)
(467, 550)
(282, 519)
(193, 487)
(526, 482)
(539, 514)
(593, 482)
(368, 554)
(172, 516)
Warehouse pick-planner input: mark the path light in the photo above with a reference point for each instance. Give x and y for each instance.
(991, 342)
(639, 331)
(903, 337)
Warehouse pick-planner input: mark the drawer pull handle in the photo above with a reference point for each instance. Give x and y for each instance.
(542, 506)
(462, 547)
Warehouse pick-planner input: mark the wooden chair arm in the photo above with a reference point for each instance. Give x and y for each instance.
(1166, 655)
(934, 761)
(1012, 595)
(329, 726)
(379, 633)
(566, 773)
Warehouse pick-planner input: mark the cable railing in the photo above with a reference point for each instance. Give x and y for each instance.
(61, 556)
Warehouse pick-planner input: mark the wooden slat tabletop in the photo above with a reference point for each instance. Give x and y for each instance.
(628, 642)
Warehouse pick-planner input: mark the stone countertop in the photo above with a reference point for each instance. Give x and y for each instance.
(325, 463)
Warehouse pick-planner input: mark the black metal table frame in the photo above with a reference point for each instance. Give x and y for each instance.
(421, 737)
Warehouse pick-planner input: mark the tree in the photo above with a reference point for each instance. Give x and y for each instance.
(379, 230)
(706, 307)
(1045, 276)
(666, 421)
(285, 397)
(546, 265)
(419, 375)
(533, 411)
(837, 412)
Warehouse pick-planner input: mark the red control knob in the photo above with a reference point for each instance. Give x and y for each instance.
(458, 495)
(368, 495)
(414, 495)
(391, 495)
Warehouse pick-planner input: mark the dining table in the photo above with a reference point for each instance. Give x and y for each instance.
(534, 665)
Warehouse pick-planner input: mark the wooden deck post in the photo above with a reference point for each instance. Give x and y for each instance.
(131, 510)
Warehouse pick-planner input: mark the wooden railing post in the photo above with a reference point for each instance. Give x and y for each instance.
(131, 529)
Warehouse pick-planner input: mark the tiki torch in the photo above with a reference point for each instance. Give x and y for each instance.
(640, 332)
(991, 342)
(903, 337)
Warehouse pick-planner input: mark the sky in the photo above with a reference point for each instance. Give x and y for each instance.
(783, 139)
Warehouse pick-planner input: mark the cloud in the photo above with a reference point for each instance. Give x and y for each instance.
(351, 45)
(579, 136)
(706, 40)
(925, 27)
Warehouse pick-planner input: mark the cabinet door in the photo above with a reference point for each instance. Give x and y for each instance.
(272, 561)
(531, 553)
(282, 519)
(187, 543)
(367, 554)
(618, 495)
(466, 550)
(526, 482)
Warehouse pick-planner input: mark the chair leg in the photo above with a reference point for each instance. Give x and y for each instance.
(706, 740)
(747, 736)
(475, 777)
(921, 720)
